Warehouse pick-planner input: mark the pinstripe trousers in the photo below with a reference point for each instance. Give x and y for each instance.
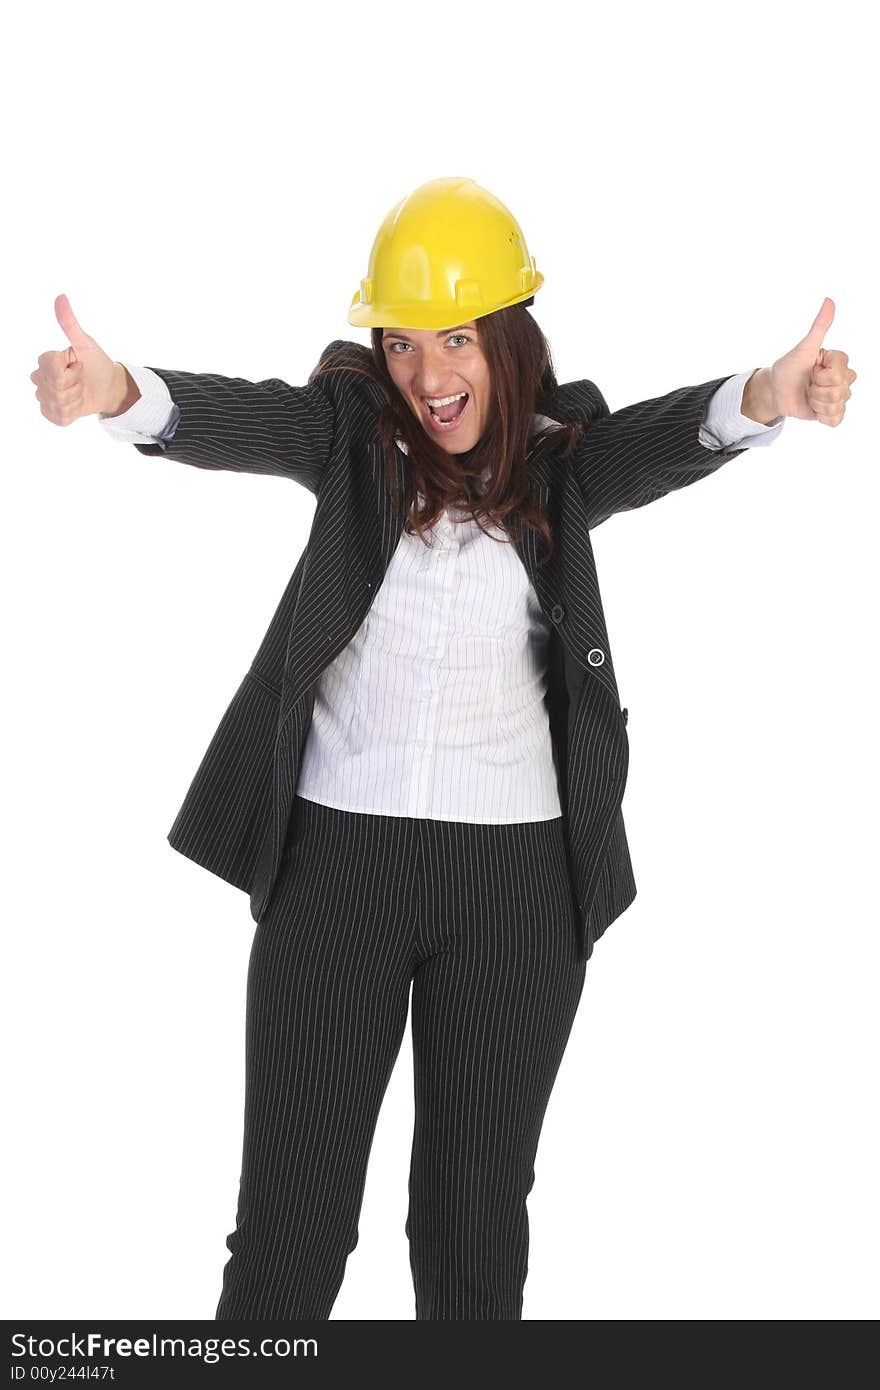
(479, 920)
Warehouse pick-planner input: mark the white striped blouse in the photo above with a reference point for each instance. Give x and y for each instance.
(435, 708)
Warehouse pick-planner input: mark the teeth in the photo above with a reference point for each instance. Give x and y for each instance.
(444, 400)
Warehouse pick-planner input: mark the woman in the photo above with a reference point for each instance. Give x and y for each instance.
(419, 779)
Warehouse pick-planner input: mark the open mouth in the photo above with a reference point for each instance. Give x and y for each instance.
(444, 418)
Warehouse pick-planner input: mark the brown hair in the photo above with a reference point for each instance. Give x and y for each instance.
(523, 383)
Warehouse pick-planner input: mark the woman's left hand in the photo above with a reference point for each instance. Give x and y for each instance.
(812, 382)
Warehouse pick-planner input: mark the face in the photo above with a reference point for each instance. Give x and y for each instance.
(427, 365)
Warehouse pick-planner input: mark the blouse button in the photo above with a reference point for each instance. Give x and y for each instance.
(557, 612)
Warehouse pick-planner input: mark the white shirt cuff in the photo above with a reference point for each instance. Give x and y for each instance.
(725, 425)
(154, 416)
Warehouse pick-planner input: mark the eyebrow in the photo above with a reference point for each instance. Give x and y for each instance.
(393, 333)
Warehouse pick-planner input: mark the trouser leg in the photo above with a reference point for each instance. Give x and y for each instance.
(327, 1000)
(494, 998)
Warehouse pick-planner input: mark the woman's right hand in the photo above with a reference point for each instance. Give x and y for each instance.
(80, 379)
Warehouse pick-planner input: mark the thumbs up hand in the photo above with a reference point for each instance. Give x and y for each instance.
(812, 382)
(80, 379)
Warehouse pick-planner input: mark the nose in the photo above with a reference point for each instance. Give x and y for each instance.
(433, 380)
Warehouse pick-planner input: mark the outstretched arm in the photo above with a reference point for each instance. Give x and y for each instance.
(216, 422)
(221, 422)
(640, 453)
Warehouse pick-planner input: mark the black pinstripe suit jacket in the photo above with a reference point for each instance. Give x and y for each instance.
(236, 814)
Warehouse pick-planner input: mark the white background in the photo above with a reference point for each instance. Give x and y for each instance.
(204, 183)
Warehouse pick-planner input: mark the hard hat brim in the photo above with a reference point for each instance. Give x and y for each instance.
(419, 316)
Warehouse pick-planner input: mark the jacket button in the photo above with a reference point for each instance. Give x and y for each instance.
(595, 656)
(557, 612)
(625, 713)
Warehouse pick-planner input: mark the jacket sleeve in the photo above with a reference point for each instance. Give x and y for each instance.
(248, 426)
(637, 454)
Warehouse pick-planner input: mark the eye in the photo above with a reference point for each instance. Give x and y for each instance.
(402, 344)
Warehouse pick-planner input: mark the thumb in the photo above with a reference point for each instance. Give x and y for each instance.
(819, 327)
(67, 319)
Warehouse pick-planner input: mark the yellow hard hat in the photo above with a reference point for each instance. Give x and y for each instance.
(447, 252)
